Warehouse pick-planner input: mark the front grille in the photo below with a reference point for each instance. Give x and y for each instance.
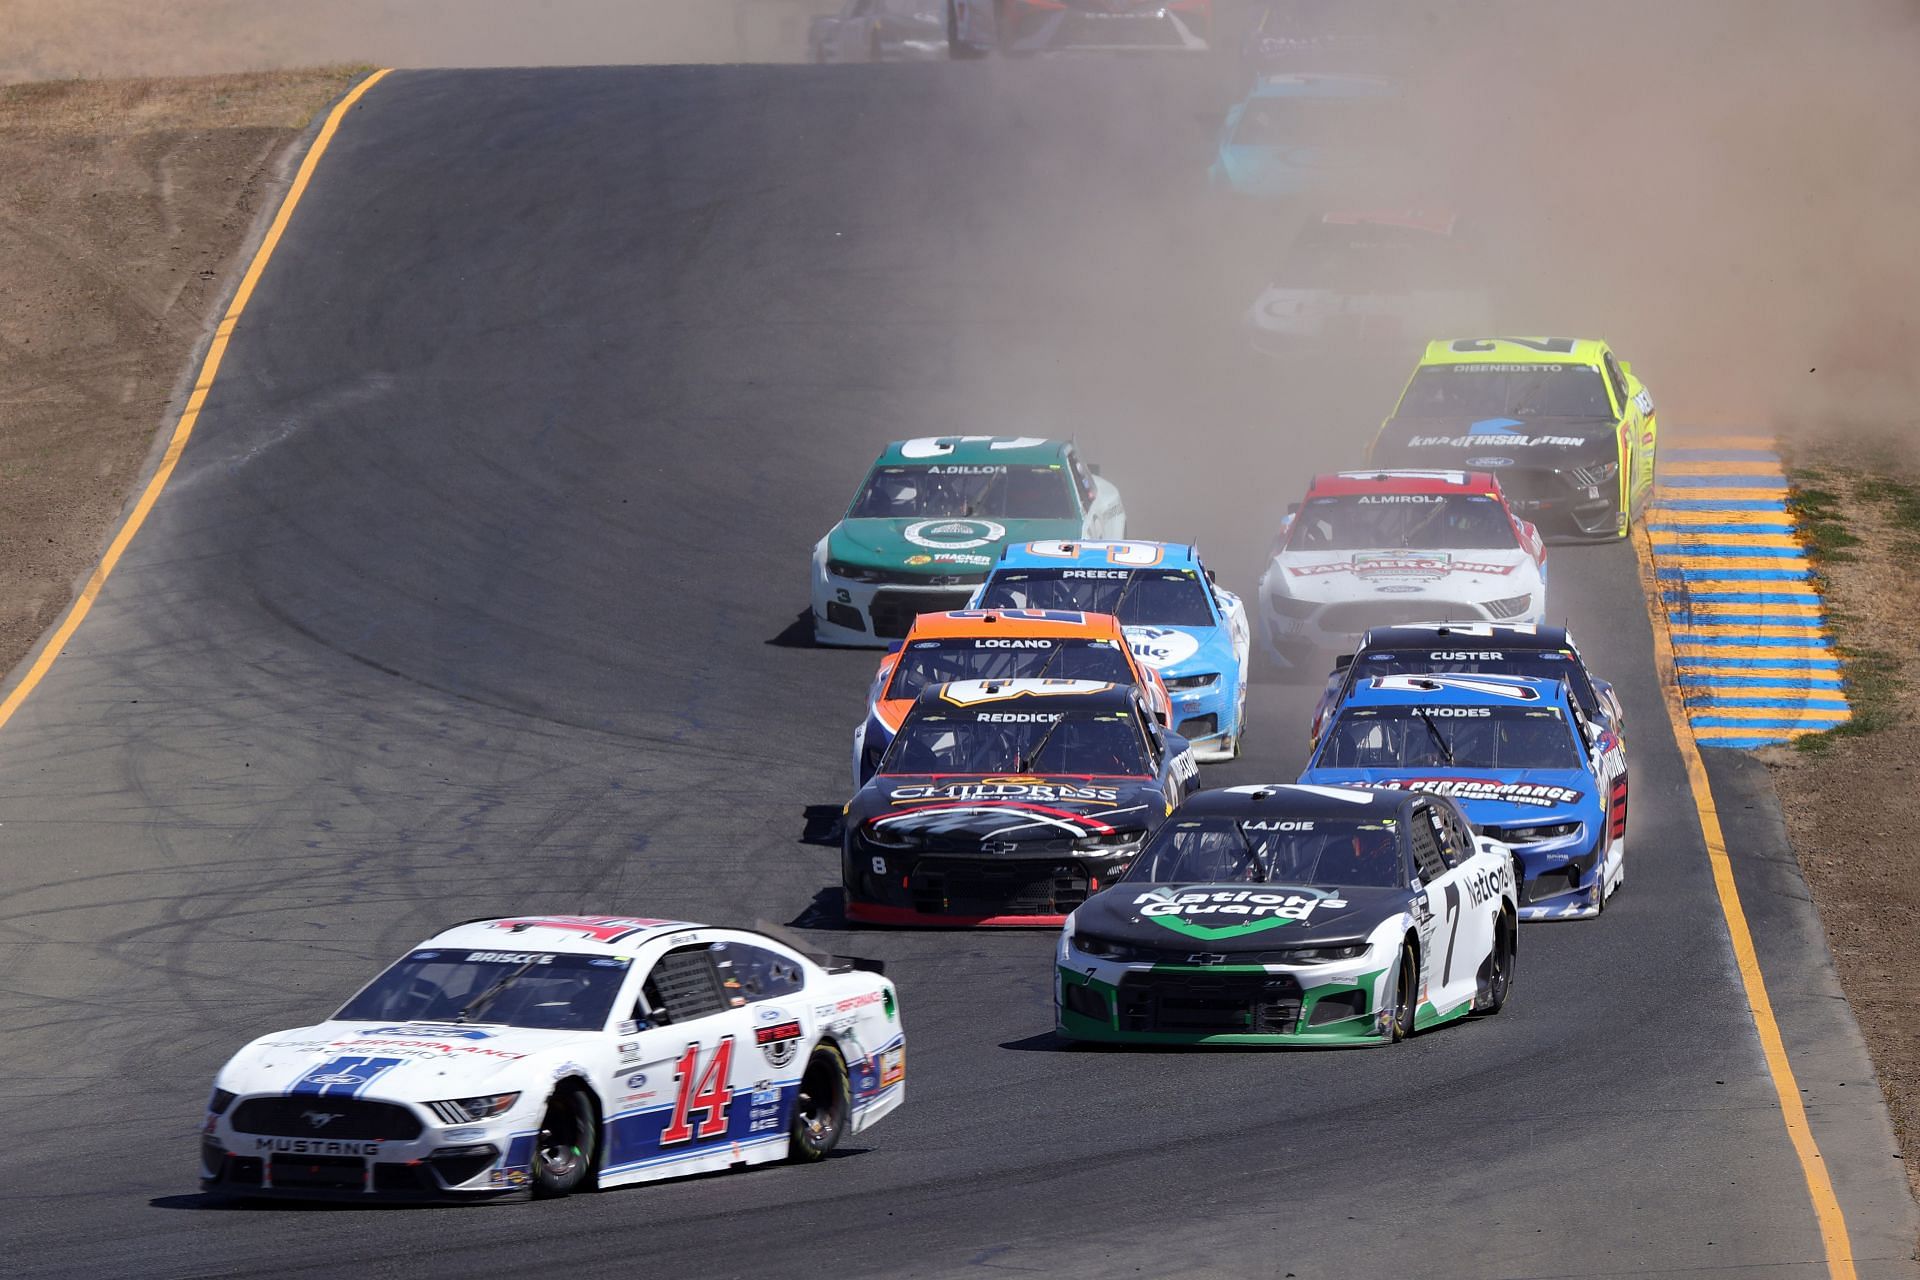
(1199, 726)
(1529, 484)
(320, 1173)
(351, 1119)
(1553, 884)
(388, 1176)
(1356, 616)
(996, 887)
(845, 615)
(893, 612)
(1209, 1003)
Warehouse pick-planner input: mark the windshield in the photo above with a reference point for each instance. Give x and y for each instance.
(1138, 597)
(926, 662)
(1018, 493)
(1542, 664)
(1075, 742)
(1449, 737)
(1283, 850)
(1319, 122)
(1511, 390)
(1369, 258)
(1426, 521)
(547, 990)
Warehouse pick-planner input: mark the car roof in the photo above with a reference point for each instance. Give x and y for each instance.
(1027, 695)
(1064, 623)
(972, 451)
(1513, 351)
(584, 935)
(1057, 553)
(1439, 222)
(1294, 800)
(1508, 635)
(1455, 690)
(1317, 84)
(1345, 483)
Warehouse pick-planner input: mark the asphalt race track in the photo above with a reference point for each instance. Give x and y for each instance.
(478, 591)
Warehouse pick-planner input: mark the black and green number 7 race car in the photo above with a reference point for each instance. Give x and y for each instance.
(1294, 915)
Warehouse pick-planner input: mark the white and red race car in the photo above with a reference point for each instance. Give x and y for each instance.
(549, 1054)
(1386, 548)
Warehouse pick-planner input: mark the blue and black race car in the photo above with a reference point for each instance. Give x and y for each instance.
(1176, 618)
(1528, 767)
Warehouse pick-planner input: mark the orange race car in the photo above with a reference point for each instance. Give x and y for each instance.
(996, 644)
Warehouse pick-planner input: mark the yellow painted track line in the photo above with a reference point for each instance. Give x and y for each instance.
(1726, 467)
(189, 416)
(1826, 1205)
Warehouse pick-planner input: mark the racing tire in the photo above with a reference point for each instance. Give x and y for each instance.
(565, 1147)
(1506, 937)
(1396, 1020)
(822, 1108)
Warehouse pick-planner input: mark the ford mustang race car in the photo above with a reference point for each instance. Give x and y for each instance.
(1055, 26)
(1474, 648)
(1298, 133)
(1527, 767)
(548, 1054)
(931, 517)
(1180, 622)
(1566, 426)
(1293, 915)
(1374, 278)
(1007, 802)
(1379, 548)
(997, 644)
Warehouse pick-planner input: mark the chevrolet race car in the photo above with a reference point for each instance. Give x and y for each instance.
(931, 516)
(1179, 621)
(1380, 548)
(1475, 648)
(1566, 426)
(1007, 802)
(1298, 133)
(1056, 26)
(548, 1054)
(1293, 916)
(1528, 768)
(997, 644)
(1371, 277)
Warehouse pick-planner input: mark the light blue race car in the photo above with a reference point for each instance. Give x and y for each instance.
(1176, 618)
(1295, 134)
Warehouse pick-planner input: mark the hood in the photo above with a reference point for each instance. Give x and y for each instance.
(1003, 814)
(1226, 918)
(1323, 576)
(963, 544)
(1490, 444)
(408, 1061)
(1501, 797)
(1173, 651)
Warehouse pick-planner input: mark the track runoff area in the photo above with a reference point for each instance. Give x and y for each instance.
(965, 1205)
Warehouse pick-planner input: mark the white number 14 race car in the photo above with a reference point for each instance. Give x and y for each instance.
(550, 1054)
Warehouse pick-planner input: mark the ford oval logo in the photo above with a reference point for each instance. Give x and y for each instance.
(338, 1077)
(1489, 462)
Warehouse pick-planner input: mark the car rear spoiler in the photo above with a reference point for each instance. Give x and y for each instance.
(831, 963)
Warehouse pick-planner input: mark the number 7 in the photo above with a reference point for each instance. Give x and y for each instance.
(1453, 934)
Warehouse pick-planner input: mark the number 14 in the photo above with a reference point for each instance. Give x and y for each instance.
(709, 1096)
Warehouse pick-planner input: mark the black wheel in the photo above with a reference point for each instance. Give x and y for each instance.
(821, 1111)
(1499, 971)
(569, 1138)
(1396, 1018)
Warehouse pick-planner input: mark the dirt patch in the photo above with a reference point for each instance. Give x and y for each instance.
(122, 209)
(1864, 492)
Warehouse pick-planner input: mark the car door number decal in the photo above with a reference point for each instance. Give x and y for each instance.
(709, 1097)
(1453, 931)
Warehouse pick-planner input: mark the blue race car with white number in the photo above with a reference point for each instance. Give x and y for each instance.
(1528, 767)
(1176, 618)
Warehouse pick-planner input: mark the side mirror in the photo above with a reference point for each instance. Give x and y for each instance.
(1293, 508)
(895, 646)
(1342, 662)
(1094, 467)
(1626, 367)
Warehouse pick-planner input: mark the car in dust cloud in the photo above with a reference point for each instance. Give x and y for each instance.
(880, 31)
(1297, 134)
(1372, 278)
(978, 27)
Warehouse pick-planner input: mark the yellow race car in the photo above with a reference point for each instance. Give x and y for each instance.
(1564, 425)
